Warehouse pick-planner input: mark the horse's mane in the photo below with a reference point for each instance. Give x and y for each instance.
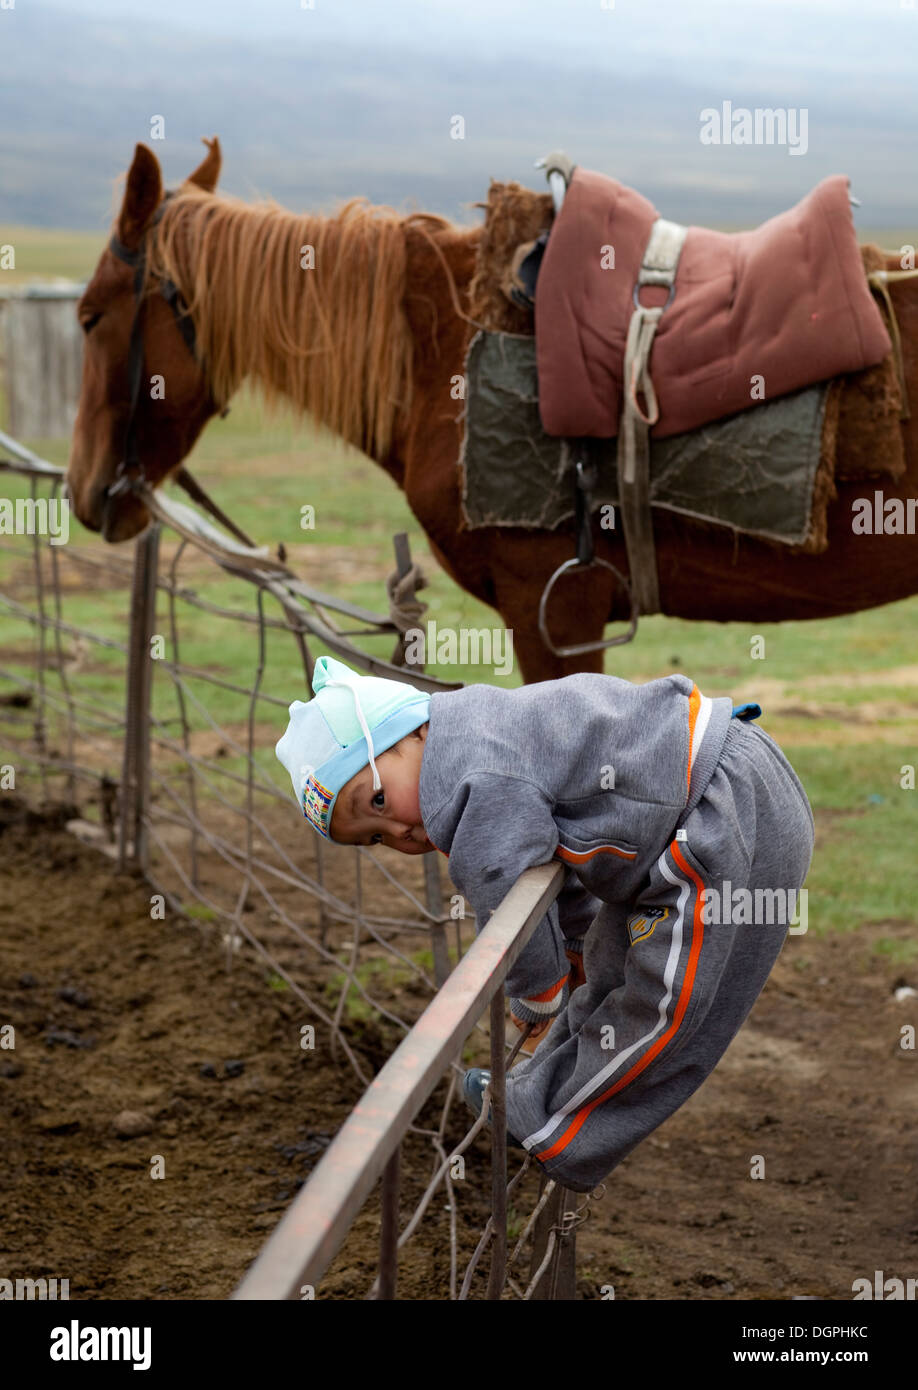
(514, 215)
(334, 340)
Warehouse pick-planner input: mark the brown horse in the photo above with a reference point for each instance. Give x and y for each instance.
(362, 320)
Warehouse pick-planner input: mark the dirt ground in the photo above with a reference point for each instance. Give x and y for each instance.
(115, 1012)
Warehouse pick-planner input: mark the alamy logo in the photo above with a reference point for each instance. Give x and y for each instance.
(470, 646)
(75, 1343)
(760, 907)
(766, 125)
(884, 516)
(41, 1289)
(36, 516)
(885, 1290)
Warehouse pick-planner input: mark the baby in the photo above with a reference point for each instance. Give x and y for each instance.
(662, 803)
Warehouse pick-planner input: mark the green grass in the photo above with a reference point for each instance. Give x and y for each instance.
(200, 912)
(381, 977)
(865, 840)
(897, 952)
(862, 868)
(42, 252)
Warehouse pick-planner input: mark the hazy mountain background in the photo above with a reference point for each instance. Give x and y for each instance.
(316, 104)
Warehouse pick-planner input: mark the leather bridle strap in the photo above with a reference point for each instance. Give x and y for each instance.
(130, 469)
(131, 459)
(167, 288)
(131, 463)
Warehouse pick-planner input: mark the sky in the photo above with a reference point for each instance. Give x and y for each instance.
(696, 31)
(835, 33)
(319, 101)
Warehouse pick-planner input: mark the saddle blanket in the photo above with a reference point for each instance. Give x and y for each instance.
(787, 303)
(755, 471)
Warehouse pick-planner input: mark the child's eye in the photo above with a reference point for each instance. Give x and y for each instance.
(379, 800)
(375, 839)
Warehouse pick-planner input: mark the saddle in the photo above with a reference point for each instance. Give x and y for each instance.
(787, 305)
(643, 324)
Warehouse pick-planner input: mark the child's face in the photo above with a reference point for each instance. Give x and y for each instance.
(390, 816)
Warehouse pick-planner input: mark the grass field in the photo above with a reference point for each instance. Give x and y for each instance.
(43, 252)
(841, 696)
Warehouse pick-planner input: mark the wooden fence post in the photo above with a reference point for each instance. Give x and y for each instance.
(42, 350)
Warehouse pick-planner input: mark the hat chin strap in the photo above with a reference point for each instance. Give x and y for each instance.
(352, 687)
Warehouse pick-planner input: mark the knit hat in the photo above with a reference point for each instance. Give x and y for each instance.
(349, 719)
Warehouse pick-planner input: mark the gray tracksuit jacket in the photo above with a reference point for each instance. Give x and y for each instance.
(589, 769)
(661, 804)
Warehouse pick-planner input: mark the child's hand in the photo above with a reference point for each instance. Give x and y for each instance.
(537, 1028)
(577, 975)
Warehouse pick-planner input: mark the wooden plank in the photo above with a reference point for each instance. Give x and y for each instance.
(43, 355)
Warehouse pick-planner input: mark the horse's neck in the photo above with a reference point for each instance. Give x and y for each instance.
(413, 310)
(439, 268)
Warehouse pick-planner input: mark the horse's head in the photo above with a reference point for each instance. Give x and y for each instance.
(140, 411)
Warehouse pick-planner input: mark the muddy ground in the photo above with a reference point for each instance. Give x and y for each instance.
(114, 1012)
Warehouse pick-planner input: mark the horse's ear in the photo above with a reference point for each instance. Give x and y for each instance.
(208, 171)
(142, 196)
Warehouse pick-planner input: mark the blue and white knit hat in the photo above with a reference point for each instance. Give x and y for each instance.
(349, 719)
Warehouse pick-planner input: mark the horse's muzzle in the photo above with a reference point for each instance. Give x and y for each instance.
(123, 514)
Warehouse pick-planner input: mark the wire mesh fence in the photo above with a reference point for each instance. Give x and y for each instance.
(369, 1145)
(141, 694)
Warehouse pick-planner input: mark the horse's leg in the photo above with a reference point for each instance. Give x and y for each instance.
(576, 612)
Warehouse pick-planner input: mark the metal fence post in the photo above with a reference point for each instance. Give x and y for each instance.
(565, 1284)
(438, 941)
(498, 1088)
(434, 891)
(388, 1235)
(559, 1278)
(135, 778)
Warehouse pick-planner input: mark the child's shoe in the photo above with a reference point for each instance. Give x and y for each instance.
(473, 1089)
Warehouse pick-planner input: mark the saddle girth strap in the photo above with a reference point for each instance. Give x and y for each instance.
(661, 259)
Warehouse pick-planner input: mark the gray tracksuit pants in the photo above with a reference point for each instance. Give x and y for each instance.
(671, 976)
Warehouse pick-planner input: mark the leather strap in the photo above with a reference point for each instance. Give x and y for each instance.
(130, 468)
(658, 267)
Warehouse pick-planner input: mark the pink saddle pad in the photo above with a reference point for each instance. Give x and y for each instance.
(788, 303)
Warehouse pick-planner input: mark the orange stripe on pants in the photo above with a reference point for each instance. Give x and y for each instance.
(694, 705)
(682, 1004)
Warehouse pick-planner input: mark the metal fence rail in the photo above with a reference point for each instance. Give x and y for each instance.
(366, 1148)
(168, 765)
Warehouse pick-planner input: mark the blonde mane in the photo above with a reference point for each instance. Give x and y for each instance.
(332, 339)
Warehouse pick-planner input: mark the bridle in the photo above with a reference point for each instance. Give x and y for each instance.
(130, 469)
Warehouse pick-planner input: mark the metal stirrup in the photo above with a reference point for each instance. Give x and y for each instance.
(585, 559)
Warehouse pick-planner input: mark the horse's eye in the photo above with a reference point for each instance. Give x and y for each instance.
(89, 324)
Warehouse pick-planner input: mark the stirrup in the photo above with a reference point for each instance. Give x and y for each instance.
(585, 481)
(579, 648)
